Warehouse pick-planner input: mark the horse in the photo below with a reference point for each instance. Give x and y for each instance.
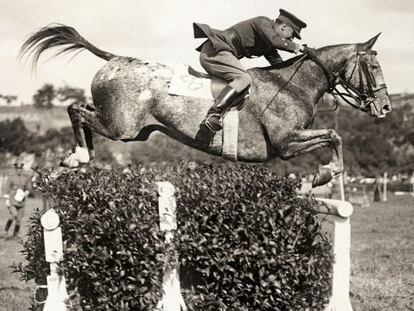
(131, 101)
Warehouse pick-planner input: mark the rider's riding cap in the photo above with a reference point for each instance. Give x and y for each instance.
(292, 21)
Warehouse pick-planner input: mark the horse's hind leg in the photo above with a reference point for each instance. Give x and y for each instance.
(89, 141)
(83, 119)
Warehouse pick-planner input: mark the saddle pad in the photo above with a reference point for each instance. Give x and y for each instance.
(182, 83)
(230, 135)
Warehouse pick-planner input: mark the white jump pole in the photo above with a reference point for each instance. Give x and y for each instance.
(340, 212)
(172, 300)
(412, 184)
(1, 185)
(3, 181)
(341, 186)
(56, 285)
(384, 191)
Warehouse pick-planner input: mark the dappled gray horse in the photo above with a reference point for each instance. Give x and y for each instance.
(131, 100)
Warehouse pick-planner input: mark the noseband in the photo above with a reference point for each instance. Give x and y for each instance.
(363, 95)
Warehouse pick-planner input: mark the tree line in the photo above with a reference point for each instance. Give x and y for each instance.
(48, 94)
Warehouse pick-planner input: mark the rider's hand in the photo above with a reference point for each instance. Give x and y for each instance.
(308, 50)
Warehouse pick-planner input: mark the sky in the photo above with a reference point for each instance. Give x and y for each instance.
(161, 31)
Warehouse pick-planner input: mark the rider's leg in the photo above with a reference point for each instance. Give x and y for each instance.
(225, 66)
(221, 104)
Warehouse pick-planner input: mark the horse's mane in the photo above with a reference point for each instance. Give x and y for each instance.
(290, 61)
(284, 64)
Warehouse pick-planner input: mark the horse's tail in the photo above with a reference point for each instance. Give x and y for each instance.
(58, 35)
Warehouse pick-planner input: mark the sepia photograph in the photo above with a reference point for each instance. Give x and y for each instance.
(206, 155)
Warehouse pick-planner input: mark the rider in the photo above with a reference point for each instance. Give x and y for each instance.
(258, 36)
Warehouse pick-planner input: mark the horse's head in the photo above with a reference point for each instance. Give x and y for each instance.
(364, 76)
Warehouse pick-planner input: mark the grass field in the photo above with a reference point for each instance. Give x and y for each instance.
(14, 294)
(382, 257)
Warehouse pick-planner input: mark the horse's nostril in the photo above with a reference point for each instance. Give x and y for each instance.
(386, 108)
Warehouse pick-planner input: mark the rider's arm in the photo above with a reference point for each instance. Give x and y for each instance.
(27, 186)
(10, 186)
(8, 192)
(285, 44)
(273, 57)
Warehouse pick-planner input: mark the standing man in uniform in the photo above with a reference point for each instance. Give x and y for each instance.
(17, 192)
(221, 52)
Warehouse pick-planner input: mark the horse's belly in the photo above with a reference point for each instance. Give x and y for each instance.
(252, 145)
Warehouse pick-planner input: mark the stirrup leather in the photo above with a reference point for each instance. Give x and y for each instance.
(213, 126)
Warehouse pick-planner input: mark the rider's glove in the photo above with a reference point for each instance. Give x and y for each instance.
(307, 50)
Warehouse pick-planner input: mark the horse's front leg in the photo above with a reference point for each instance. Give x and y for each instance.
(300, 142)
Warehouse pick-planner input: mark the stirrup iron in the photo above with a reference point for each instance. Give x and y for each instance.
(213, 127)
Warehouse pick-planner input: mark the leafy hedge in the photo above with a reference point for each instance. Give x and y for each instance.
(245, 241)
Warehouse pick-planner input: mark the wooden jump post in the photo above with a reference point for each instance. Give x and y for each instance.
(56, 284)
(172, 300)
(340, 211)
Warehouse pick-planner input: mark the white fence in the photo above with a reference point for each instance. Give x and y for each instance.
(172, 300)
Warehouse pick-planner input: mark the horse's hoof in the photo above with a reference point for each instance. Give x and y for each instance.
(69, 161)
(75, 159)
(322, 177)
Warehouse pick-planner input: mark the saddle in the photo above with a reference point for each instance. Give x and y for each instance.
(217, 85)
(187, 81)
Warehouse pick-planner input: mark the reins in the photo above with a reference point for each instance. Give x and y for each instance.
(300, 60)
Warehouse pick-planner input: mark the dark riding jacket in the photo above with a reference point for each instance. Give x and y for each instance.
(253, 37)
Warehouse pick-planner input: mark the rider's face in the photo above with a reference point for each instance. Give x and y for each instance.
(286, 31)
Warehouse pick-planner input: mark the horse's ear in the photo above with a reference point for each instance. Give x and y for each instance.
(369, 44)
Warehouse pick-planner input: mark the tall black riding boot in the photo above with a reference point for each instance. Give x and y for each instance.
(223, 101)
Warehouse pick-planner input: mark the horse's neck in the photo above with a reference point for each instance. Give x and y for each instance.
(295, 90)
(309, 77)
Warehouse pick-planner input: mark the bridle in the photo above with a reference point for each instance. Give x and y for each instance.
(364, 95)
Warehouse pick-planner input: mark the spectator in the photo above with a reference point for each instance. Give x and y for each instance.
(377, 189)
(16, 194)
